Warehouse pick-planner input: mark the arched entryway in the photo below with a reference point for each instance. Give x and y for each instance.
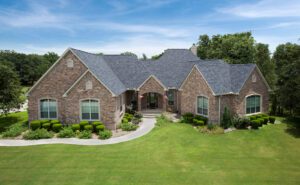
(151, 100)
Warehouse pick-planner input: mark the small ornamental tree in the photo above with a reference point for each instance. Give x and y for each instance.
(226, 119)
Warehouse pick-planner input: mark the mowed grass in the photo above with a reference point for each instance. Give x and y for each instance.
(173, 153)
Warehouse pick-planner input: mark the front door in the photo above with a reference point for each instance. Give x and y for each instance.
(152, 100)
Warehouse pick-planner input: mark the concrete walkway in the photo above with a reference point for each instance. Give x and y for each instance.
(145, 127)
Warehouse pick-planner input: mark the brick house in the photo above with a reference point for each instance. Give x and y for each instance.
(84, 86)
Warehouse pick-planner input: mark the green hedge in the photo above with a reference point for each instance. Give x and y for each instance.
(255, 124)
(188, 117)
(272, 119)
(75, 127)
(37, 134)
(56, 127)
(105, 134)
(35, 124)
(85, 134)
(125, 120)
(88, 127)
(46, 126)
(99, 128)
(198, 122)
(82, 124)
(66, 132)
(95, 124)
(266, 119)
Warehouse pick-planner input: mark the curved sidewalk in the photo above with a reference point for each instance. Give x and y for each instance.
(146, 126)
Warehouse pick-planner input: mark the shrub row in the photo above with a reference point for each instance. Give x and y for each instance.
(196, 120)
(258, 120)
(130, 121)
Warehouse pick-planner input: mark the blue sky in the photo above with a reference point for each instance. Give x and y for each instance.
(140, 26)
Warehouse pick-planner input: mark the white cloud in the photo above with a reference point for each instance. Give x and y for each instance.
(265, 8)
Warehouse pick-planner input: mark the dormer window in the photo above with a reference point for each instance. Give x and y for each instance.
(253, 78)
(88, 85)
(70, 63)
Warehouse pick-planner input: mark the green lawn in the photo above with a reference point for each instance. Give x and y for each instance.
(170, 154)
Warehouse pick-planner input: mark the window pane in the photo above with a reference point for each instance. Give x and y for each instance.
(85, 115)
(205, 112)
(252, 104)
(44, 108)
(205, 103)
(95, 116)
(171, 97)
(52, 109)
(85, 109)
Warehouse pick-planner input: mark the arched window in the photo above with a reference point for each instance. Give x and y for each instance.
(90, 109)
(88, 85)
(253, 104)
(70, 63)
(202, 105)
(48, 109)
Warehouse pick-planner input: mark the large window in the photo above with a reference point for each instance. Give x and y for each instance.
(90, 110)
(253, 104)
(170, 97)
(48, 109)
(202, 105)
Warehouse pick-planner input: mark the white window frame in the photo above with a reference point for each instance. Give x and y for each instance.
(207, 106)
(260, 104)
(99, 111)
(48, 109)
(70, 63)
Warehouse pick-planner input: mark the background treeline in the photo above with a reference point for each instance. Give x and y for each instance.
(281, 69)
(29, 67)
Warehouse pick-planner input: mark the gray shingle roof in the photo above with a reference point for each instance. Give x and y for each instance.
(121, 72)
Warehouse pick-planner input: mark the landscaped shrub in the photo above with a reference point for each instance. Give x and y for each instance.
(128, 117)
(211, 129)
(138, 115)
(255, 124)
(240, 122)
(124, 120)
(75, 127)
(13, 131)
(56, 127)
(85, 134)
(35, 124)
(188, 117)
(46, 125)
(54, 121)
(44, 121)
(88, 127)
(66, 132)
(198, 122)
(261, 121)
(264, 115)
(266, 119)
(82, 124)
(135, 120)
(272, 119)
(37, 134)
(226, 119)
(252, 118)
(128, 126)
(99, 128)
(95, 124)
(204, 119)
(105, 134)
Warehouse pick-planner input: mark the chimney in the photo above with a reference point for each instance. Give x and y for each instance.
(194, 49)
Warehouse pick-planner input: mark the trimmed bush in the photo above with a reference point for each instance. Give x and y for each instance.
(124, 120)
(54, 121)
(261, 121)
(105, 134)
(44, 121)
(255, 124)
(272, 119)
(266, 119)
(99, 128)
(95, 124)
(204, 119)
(252, 118)
(46, 126)
(264, 115)
(88, 127)
(128, 116)
(85, 134)
(66, 132)
(75, 127)
(82, 124)
(198, 122)
(241, 122)
(35, 124)
(188, 117)
(135, 120)
(128, 126)
(37, 134)
(56, 127)
(138, 115)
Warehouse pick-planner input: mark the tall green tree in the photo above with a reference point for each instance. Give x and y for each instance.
(233, 48)
(287, 62)
(10, 89)
(265, 64)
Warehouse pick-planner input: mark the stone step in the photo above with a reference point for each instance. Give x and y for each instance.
(150, 115)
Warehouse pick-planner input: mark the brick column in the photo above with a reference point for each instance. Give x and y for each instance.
(139, 100)
(165, 101)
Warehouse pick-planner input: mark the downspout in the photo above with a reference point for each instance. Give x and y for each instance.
(219, 109)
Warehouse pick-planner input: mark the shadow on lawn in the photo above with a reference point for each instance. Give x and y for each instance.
(6, 121)
(293, 126)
